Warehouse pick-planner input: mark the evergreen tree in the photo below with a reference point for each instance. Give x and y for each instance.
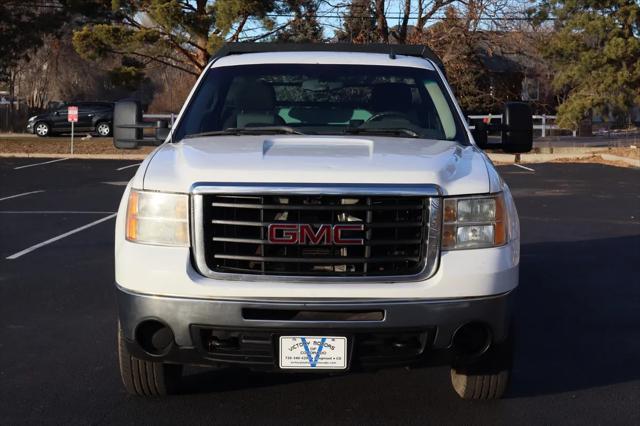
(304, 27)
(595, 53)
(25, 23)
(359, 24)
(181, 34)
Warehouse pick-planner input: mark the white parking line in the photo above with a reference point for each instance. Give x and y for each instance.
(524, 167)
(126, 167)
(40, 164)
(21, 195)
(59, 237)
(51, 212)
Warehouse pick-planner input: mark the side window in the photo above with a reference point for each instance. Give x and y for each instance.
(442, 108)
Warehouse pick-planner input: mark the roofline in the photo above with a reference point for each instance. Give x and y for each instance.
(414, 50)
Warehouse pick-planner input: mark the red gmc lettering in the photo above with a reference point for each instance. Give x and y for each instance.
(281, 233)
(308, 236)
(289, 234)
(340, 240)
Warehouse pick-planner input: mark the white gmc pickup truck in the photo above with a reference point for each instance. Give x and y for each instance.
(317, 208)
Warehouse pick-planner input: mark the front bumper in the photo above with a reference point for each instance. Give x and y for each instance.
(251, 328)
(30, 126)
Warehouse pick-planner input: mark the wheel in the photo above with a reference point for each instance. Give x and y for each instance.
(42, 129)
(488, 376)
(146, 378)
(103, 129)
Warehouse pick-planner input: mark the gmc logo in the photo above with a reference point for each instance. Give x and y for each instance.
(289, 233)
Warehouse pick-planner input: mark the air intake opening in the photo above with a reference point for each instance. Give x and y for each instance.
(298, 315)
(472, 339)
(154, 337)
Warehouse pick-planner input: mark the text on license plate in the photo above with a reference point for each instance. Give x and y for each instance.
(317, 352)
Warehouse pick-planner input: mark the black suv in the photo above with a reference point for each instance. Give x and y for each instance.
(94, 117)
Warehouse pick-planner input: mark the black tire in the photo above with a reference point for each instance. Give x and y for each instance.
(488, 376)
(146, 378)
(42, 129)
(104, 129)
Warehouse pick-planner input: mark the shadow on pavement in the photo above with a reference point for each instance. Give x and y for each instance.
(578, 316)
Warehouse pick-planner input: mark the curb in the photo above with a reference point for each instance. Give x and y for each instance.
(498, 158)
(631, 161)
(546, 158)
(74, 156)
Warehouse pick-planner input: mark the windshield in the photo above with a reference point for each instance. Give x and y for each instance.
(322, 100)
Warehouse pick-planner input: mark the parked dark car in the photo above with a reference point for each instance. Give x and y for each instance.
(93, 117)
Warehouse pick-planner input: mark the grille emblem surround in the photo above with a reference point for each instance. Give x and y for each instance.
(304, 234)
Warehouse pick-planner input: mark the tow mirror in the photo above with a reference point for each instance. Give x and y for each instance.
(126, 116)
(162, 130)
(517, 127)
(128, 127)
(481, 135)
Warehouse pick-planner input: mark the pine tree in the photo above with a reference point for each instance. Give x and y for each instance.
(181, 34)
(359, 24)
(595, 53)
(304, 27)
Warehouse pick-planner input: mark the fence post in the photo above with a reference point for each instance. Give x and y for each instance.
(544, 125)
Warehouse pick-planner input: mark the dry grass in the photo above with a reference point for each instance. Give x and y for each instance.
(626, 152)
(593, 159)
(62, 145)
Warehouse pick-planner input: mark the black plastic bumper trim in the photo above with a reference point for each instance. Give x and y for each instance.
(443, 316)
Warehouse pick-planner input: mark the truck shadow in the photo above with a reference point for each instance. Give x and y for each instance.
(577, 316)
(237, 379)
(577, 324)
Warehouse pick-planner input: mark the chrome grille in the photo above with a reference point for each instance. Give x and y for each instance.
(399, 235)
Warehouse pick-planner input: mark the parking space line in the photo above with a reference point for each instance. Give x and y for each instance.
(126, 167)
(51, 212)
(22, 195)
(524, 167)
(40, 164)
(59, 237)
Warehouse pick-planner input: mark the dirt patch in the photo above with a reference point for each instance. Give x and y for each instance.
(624, 152)
(594, 159)
(62, 145)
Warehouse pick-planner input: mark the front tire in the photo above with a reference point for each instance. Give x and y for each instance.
(488, 376)
(42, 129)
(146, 378)
(103, 129)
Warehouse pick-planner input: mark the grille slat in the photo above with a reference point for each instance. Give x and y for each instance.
(394, 234)
(336, 260)
(367, 243)
(303, 207)
(266, 224)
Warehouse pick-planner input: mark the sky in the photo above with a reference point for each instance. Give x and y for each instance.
(331, 11)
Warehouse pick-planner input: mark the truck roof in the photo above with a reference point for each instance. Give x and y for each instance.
(344, 58)
(325, 53)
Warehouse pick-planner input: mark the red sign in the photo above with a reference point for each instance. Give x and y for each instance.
(72, 114)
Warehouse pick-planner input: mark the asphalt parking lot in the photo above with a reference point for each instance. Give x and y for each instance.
(578, 315)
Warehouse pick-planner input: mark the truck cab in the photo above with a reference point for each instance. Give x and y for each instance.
(317, 208)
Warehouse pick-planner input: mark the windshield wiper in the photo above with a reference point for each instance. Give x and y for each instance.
(382, 131)
(258, 130)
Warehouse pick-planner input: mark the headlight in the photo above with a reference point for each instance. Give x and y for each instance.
(32, 118)
(474, 222)
(158, 218)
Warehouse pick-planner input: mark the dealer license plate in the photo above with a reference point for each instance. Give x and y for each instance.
(313, 352)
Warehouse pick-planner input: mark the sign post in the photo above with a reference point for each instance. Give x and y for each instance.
(72, 117)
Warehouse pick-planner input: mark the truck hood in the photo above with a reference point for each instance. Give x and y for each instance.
(317, 159)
